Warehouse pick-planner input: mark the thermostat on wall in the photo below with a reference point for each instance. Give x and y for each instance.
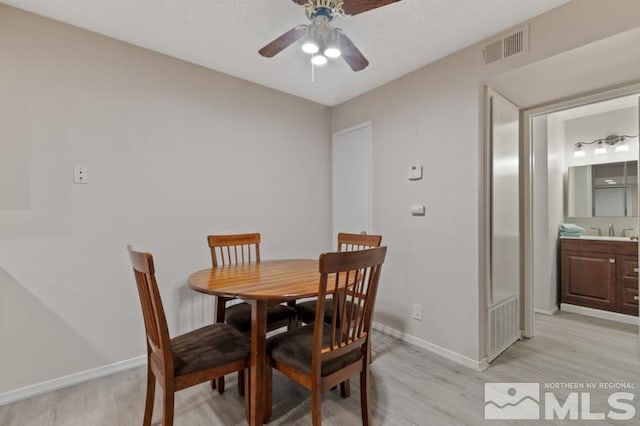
(415, 172)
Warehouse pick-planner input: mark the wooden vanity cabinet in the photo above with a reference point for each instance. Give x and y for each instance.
(627, 284)
(600, 274)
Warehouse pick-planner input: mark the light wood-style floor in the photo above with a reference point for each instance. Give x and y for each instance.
(409, 386)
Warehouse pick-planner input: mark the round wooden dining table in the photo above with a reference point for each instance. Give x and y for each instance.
(259, 284)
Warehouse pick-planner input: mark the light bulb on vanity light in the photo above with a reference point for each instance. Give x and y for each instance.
(579, 152)
(601, 149)
(622, 146)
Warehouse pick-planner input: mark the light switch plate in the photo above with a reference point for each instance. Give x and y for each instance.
(415, 172)
(418, 210)
(80, 174)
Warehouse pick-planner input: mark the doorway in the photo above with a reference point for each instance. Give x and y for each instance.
(583, 171)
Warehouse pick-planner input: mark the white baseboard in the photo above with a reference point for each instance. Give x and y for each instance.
(597, 313)
(546, 312)
(431, 347)
(70, 380)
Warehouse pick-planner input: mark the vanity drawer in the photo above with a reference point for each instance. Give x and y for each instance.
(627, 284)
(627, 303)
(627, 267)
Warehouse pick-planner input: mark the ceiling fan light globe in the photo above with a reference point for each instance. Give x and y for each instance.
(310, 48)
(332, 52)
(319, 60)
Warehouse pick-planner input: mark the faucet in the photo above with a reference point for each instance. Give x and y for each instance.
(599, 231)
(612, 233)
(624, 232)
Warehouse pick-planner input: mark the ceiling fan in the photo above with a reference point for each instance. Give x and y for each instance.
(320, 39)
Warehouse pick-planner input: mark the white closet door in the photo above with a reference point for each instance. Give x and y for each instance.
(352, 180)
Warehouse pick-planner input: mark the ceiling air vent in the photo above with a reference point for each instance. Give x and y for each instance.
(511, 44)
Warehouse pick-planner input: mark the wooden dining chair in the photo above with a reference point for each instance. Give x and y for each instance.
(306, 311)
(237, 249)
(323, 354)
(186, 360)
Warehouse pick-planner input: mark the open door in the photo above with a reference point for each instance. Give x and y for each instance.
(503, 295)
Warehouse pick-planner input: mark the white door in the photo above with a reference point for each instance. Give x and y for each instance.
(504, 225)
(352, 180)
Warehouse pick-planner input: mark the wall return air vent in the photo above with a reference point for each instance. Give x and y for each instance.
(510, 44)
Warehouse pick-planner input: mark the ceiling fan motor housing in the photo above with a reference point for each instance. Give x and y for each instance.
(327, 8)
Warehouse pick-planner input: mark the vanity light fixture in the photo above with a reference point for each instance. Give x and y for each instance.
(619, 141)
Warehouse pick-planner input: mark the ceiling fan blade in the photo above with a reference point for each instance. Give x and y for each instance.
(351, 54)
(282, 42)
(301, 2)
(353, 7)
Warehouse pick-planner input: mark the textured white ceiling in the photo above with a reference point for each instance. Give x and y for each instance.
(225, 35)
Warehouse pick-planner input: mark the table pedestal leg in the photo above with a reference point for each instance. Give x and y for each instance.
(258, 358)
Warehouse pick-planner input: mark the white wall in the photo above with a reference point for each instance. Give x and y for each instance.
(548, 194)
(431, 116)
(541, 260)
(174, 152)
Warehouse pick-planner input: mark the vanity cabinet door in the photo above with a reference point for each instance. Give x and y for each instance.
(627, 267)
(589, 279)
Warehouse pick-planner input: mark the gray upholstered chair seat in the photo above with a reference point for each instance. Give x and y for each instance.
(306, 311)
(239, 315)
(208, 347)
(294, 348)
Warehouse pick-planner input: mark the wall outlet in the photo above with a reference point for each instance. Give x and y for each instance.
(80, 174)
(417, 312)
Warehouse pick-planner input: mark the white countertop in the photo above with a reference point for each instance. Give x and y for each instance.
(601, 238)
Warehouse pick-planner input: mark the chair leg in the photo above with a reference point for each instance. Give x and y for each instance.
(151, 391)
(241, 382)
(247, 393)
(167, 406)
(220, 385)
(369, 350)
(268, 392)
(364, 395)
(345, 389)
(316, 406)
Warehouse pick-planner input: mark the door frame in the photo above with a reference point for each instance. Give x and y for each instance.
(366, 124)
(528, 203)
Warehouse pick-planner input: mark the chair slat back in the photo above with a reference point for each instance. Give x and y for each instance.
(155, 322)
(351, 242)
(353, 278)
(234, 249)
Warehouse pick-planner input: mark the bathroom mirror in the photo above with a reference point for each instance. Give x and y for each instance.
(603, 190)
